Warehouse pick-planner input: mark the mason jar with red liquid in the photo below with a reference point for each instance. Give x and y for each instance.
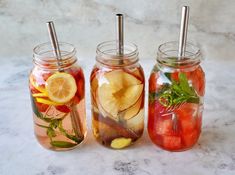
(57, 98)
(176, 91)
(117, 96)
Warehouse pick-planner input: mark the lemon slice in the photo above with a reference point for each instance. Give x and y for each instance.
(39, 95)
(119, 92)
(47, 102)
(120, 143)
(61, 87)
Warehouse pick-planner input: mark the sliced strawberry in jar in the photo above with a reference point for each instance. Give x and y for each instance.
(63, 108)
(171, 142)
(41, 107)
(76, 100)
(198, 80)
(80, 88)
(153, 85)
(46, 75)
(175, 76)
(33, 89)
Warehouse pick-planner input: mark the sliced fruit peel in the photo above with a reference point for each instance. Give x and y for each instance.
(119, 92)
(120, 143)
(130, 96)
(40, 95)
(133, 110)
(48, 102)
(136, 123)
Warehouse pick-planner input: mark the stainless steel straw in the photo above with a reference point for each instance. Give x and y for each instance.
(55, 43)
(120, 36)
(183, 31)
(75, 119)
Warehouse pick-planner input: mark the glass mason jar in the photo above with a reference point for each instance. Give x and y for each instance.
(57, 98)
(176, 91)
(117, 96)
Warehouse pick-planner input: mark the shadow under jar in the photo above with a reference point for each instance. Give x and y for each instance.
(176, 91)
(117, 96)
(57, 98)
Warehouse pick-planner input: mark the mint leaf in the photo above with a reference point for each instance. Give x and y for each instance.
(177, 93)
(183, 82)
(62, 144)
(34, 107)
(37, 112)
(69, 136)
(51, 133)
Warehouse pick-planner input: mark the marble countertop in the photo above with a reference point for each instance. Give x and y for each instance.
(22, 155)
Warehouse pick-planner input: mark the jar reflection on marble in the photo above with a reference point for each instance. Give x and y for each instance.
(176, 91)
(117, 96)
(57, 98)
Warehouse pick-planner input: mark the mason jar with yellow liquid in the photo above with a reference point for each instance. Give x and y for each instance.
(117, 96)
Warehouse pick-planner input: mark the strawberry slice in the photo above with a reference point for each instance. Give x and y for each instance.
(198, 82)
(41, 107)
(80, 81)
(63, 108)
(153, 85)
(80, 87)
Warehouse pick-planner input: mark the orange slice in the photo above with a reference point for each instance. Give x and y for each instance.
(61, 87)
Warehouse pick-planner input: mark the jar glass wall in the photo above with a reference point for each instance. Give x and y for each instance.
(117, 96)
(176, 91)
(57, 98)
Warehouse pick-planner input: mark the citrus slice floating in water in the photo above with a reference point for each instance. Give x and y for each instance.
(61, 87)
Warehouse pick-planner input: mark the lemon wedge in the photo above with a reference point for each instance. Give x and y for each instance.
(119, 92)
(120, 143)
(61, 87)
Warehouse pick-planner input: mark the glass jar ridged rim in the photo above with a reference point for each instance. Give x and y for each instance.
(43, 55)
(168, 54)
(107, 53)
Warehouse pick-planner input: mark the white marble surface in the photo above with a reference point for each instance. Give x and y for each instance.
(85, 23)
(22, 155)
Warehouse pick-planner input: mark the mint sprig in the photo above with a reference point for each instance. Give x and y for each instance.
(55, 125)
(176, 93)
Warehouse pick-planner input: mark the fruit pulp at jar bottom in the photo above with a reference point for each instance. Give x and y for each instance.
(58, 126)
(117, 122)
(161, 126)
